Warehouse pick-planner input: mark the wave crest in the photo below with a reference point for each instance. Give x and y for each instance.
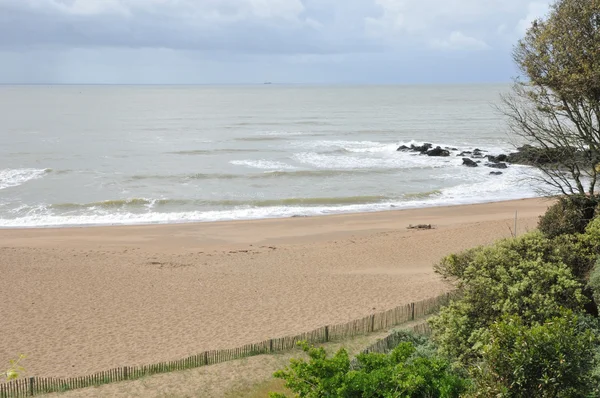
(14, 177)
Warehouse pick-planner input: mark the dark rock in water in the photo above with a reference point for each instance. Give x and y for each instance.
(403, 148)
(497, 165)
(534, 156)
(423, 148)
(464, 153)
(438, 151)
(469, 163)
(477, 154)
(495, 173)
(497, 159)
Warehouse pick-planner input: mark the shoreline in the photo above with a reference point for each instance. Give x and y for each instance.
(81, 300)
(244, 232)
(246, 220)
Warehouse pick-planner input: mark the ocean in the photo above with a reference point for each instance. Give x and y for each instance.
(114, 155)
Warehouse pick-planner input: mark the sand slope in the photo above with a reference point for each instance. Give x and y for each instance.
(78, 300)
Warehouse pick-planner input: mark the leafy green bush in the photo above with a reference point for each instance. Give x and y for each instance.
(553, 359)
(405, 372)
(452, 267)
(578, 252)
(514, 277)
(594, 282)
(569, 216)
(590, 240)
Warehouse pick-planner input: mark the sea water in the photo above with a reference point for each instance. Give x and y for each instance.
(109, 155)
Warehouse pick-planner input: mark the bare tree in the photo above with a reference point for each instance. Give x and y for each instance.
(556, 107)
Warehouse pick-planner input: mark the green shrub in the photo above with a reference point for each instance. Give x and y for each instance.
(594, 282)
(553, 359)
(569, 216)
(405, 372)
(578, 252)
(505, 279)
(590, 240)
(452, 267)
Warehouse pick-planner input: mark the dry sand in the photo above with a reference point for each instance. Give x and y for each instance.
(79, 300)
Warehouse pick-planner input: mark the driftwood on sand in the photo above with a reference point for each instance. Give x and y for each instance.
(420, 226)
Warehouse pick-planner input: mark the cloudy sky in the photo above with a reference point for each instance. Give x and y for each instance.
(252, 41)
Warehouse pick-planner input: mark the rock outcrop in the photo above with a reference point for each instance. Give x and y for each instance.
(498, 159)
(469, 163)
(438, 151)
(497, 165)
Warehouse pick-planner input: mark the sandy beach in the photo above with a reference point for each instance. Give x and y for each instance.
(79, 300)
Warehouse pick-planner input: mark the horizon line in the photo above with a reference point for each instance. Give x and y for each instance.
(263, 84)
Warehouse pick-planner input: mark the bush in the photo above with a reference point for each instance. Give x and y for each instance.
(553, 359)
(570, 215)
(590, 240)
(402, 373)
(514, 277)
(578, 252)
(594, 282)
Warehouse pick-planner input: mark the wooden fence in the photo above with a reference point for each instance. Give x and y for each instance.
(392, 341)
(372, 323)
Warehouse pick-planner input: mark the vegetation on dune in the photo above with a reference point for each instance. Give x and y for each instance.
(501, 281)
(520, 327)
(525, 322)
(14, 369)
(410, 370)
(555, 358)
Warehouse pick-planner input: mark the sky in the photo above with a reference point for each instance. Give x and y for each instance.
(254, 41)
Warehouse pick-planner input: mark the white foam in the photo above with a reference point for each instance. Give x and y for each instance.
(394, 160)
(276, 133)
(341, 144)
(15, 177)
(483, 188)
(225, 215)
(383, 148)
(263, 164)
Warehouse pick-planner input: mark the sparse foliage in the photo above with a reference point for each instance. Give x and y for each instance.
(15, 369)
(570, 215)
(556, 108)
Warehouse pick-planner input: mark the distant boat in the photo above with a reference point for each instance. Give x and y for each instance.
(267, 83)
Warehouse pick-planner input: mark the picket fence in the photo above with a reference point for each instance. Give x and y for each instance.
(31, 386)
(392, 341)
